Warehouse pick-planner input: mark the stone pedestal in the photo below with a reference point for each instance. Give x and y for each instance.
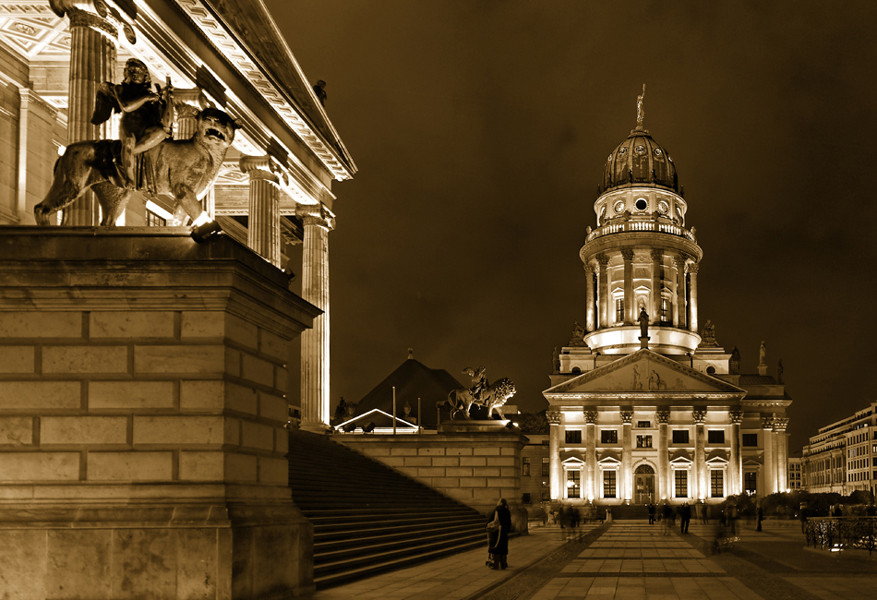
(142, 413)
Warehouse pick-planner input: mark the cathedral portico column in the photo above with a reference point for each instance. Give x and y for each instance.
(555, 482)
(679, 304)
(318, 221)
(603, 291)
(263, 228)
(92, 62)
(699, 416)
(663, 417)
(692, 297)
(629, 315)
(593, 490)
(626, 454)
(590, 317)
(770, 481)
(781, 446)
(655, 299)
(736, 478)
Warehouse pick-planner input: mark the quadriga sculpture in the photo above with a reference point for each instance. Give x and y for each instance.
(179, 170)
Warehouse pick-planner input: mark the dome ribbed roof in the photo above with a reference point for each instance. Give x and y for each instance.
(640, 159)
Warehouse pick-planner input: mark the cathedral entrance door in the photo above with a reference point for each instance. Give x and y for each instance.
(644, 485)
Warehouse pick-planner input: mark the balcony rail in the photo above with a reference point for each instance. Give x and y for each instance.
(625, 226)
(838, 533)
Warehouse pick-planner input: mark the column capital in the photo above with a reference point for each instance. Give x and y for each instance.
(96, 15)
(767, 422)
(780, 424)
(657, 255)
(699, 415)
(590, 416)
(589, 268)
(627, 254)
(262, 167)
(693, 268)
(626, 417)
(680, 259)
(736, 417)
(603, 261)
(553, 417)
(663, 416)
(316, 214)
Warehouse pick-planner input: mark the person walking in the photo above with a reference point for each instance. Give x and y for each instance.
(684, 517)
(651, 510)
(498, 538)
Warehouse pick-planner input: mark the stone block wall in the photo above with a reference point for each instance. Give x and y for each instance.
(142, 413)
(475, 468)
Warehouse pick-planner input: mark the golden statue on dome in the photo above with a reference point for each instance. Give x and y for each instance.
(640, 110)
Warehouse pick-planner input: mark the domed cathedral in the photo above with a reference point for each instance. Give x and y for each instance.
(645, 405)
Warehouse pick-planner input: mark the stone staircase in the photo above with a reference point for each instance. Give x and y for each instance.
(369, 518)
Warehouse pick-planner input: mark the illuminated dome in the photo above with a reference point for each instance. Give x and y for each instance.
(639, 160)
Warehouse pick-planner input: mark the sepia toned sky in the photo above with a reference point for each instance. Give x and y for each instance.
(480, 129)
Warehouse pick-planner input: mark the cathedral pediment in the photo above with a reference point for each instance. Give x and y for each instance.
(647, 374)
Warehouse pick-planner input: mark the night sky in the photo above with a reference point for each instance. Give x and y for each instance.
(480, 130)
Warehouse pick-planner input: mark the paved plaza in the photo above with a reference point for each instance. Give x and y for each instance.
(633, 560)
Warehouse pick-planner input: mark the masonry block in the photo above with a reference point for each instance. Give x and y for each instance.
(40, 395)
(202, 396)
(504, 461)
(476, 482)
(274, 346)
(241, 332)
(257, 435)
(179, 359)
(472, 461)
(431, 451)
(430, 471)
(40, 325)
(85, 359)
(16, 431)
(257, 370)
(443, 461)
(23, 556)
(179, 431)
(417, 461)
(83, 430)
(39, 467)
(241, 468)
(199, 325)
(458, 451)
(273, 470)
(131, 395)
(131, 324)
(130, 466)
(17, 359)
(458, 471)
(201, 466)
(486, 451)
(241, 398)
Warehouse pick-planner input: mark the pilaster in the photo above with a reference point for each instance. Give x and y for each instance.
(655, 298)
(593, 490)
(555, 480)
(626, 455)
(736, 466)
(629, 315)
(781, 445)
(590, 317)
(700, 487)
(603, 290)
(679, 304)
(664, 490)
(692, 293)
(770, 478)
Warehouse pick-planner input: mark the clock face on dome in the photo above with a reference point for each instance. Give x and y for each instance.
(619, 206)
(663, 207)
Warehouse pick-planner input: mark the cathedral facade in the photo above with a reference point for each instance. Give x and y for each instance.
(645, 406)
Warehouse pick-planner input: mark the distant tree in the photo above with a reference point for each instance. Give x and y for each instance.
(535, 423)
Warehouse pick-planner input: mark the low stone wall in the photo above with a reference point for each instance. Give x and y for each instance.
(142, 413)
(474, 468)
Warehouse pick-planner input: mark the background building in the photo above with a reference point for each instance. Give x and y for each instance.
(645, 405)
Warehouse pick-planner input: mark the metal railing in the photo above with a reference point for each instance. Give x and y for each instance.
(838, 533)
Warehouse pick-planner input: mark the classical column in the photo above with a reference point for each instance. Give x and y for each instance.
(590, 317)
(318, 221)
(629, 315)
(679, 304)
(593, 490)
(770, 480)
(655, 299)
(603, 290)
(664, 489)
(699, 416)
(692, 296)
(555, 480)
(92, 62)
(626, 456)
(736, 464)
(263, 228)
(781, 446)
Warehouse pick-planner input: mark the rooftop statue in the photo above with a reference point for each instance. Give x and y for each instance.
(643, 323)
(640, 109)
(144, 160)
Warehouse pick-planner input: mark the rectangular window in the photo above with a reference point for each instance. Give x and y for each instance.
(153, 220)
(573, 436)
(715, 436)
(525, 498)
(608, 484)
(525, 467)
(643, 424)
(681, 484)
(545, 467)
(749, 480)
(665, 310)
(717, 483)
(609, 436)
(573, 484)
(643, 441)
(680, 436)
(619, 310)
(750, 440)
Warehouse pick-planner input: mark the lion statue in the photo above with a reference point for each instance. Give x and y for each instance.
(493, 397)
(178, 170)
